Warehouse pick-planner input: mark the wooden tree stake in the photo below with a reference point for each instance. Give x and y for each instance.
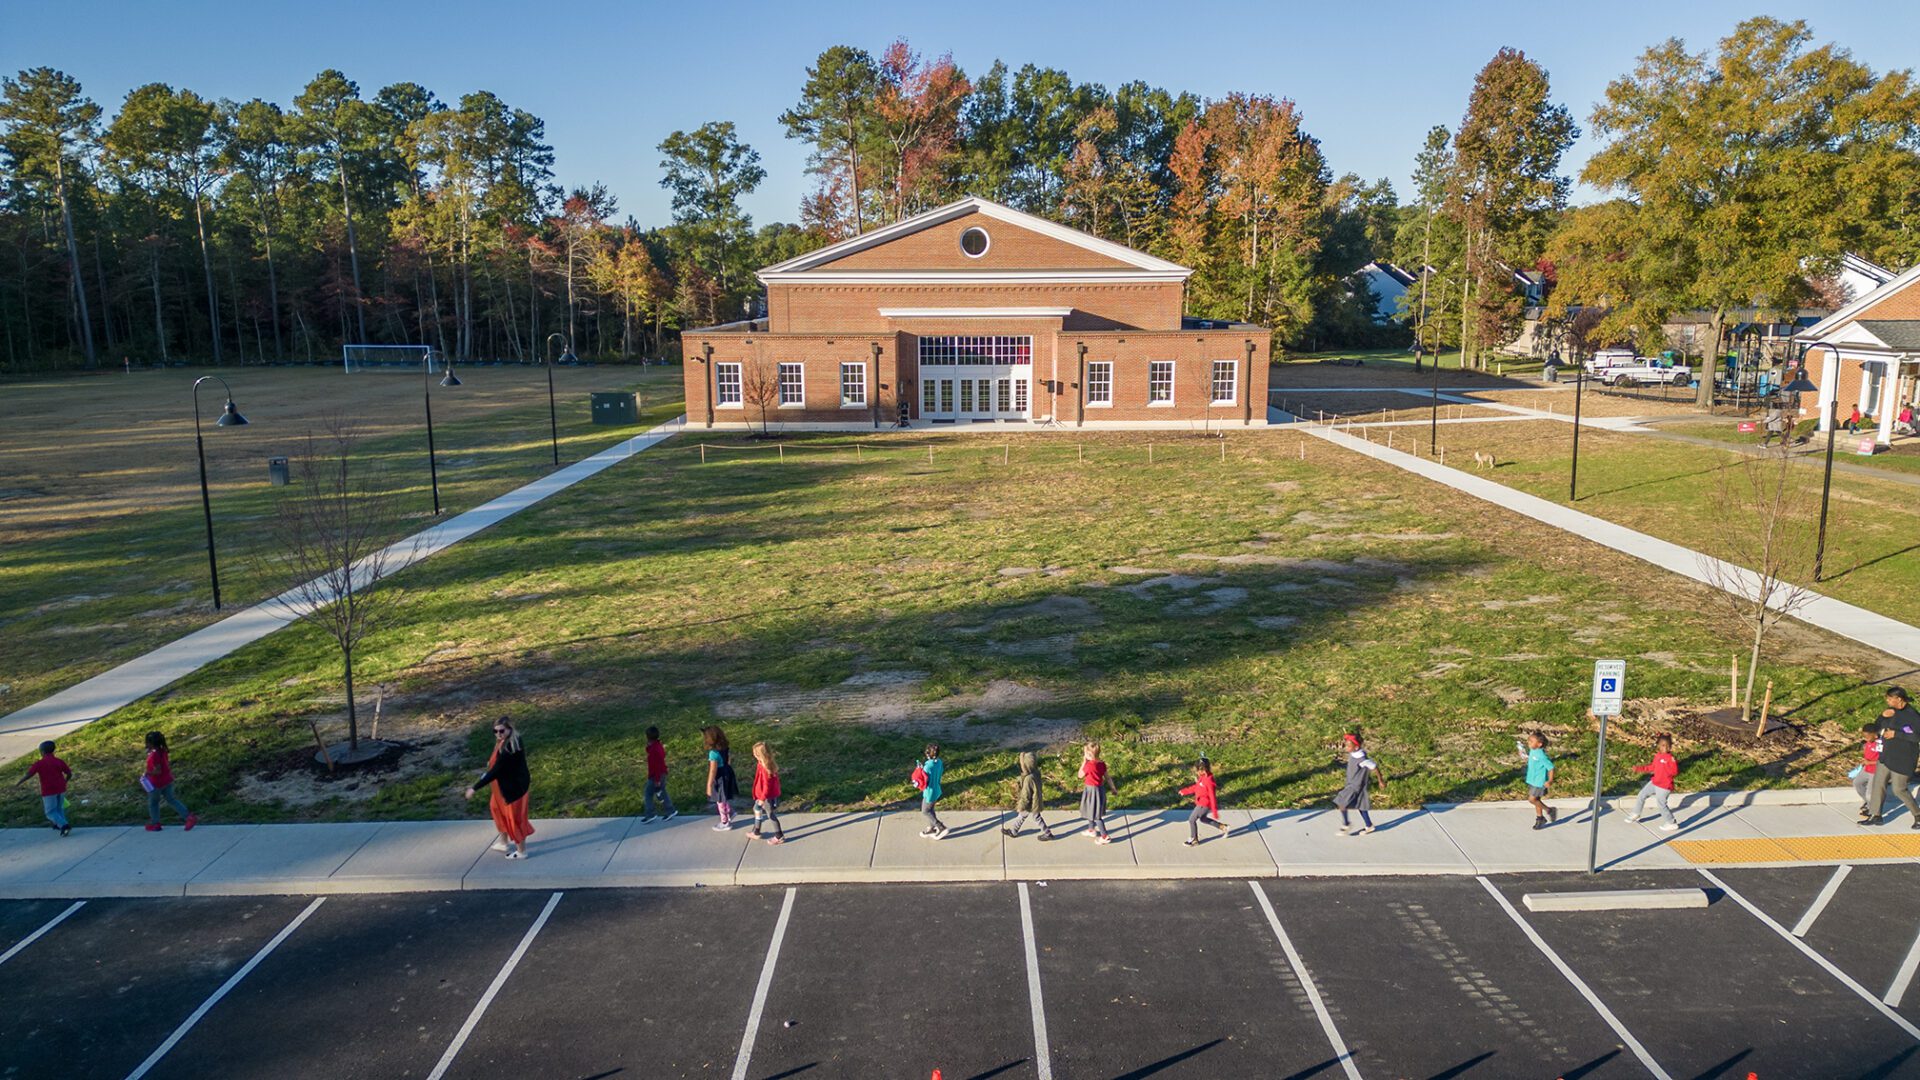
(1733, 681)
(1766, 706)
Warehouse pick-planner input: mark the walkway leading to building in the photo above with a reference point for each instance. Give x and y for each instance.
(81, 704)
(1895, 638)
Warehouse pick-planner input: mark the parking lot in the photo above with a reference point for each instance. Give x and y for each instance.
(1331, 977)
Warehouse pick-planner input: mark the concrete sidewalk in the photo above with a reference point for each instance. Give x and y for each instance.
(81, 704)
(870, 846)
(1898, 639)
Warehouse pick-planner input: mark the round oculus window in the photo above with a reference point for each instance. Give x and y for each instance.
(974, 242)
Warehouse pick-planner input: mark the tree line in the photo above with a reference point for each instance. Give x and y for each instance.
(251, 232)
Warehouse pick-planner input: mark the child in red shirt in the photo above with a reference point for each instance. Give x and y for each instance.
(1093, 795)
(657, 779)
(1869, 761)
(53, 774)
(766, 793)
(158, 782)
(1206, 803)
(1660, 786)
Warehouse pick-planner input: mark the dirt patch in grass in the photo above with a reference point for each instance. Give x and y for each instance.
(897, 701)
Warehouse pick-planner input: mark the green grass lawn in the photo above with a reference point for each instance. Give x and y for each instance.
(85, 600)
(1016, 592)
(1402, 358)
(1668, 489)
(1905, 458)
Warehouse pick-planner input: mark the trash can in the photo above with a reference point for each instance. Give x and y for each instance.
(277, 471)
(611, 408)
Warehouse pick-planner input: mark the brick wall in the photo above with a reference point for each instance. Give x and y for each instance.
(1192, 353)
(820, 308)
(1010, 247)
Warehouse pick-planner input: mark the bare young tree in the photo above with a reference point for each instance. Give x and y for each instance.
(760, 387)
(1764, 511)
(333, 541)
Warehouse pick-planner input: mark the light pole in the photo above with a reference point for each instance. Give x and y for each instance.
(1573, 475)
(553, 422)
(1433, 415)
(229, 417)
(1802, 385)
(426, 400)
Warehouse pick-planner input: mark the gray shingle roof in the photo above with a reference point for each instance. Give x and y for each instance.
(1897, 333)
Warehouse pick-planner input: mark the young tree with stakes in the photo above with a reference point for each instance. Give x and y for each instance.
(333, 544)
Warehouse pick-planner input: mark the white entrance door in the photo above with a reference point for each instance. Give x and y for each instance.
(974, 393)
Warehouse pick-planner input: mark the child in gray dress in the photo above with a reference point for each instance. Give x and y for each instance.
(1362, 771)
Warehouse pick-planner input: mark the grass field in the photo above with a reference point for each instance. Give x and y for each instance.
(1903, 457)
(1667, 489)
(102, 546)
(857, 600)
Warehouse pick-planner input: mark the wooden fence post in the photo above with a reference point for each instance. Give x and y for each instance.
(782, 447)
(1149, 452)
(703, 453)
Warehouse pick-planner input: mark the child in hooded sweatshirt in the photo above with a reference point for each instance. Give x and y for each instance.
(1660, 786)
(1362, 772)
(1026, 798)
(1206, 804)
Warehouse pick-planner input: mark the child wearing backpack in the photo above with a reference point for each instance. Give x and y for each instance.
(1362, 773)
(1096, 783)
(766, 793)
(1026, 797)
(1206, 803)
(722, 787)
(926, 777)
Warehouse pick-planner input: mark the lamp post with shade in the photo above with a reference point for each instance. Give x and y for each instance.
(553, 421)
(426, 400)
(1803, 385)
(229, 417)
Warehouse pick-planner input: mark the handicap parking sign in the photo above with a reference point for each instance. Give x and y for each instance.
(1609, 687)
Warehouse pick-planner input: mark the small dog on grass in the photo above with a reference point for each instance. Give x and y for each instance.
(1484, 461)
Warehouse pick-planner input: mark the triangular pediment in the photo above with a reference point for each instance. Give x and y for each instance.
(1007, 243)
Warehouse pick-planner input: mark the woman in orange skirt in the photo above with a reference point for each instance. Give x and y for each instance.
(507, 772)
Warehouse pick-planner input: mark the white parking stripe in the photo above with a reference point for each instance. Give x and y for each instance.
(1821, 901)
(500, 980)
(1845, 979)
(1042, 1056)
(35, 936)
(1904, 977)
(232, 981)
(1341, 1053)
(760, 991)
(1579, 984)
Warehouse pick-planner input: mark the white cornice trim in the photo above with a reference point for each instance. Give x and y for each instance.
(970, 277)
(985, 208)
(976, 313)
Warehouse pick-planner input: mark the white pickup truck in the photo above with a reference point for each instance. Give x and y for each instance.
(1620, 367)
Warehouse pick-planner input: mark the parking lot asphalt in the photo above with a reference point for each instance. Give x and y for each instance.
(1334, 977)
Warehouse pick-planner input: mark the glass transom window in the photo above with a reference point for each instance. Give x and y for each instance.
(961, 349)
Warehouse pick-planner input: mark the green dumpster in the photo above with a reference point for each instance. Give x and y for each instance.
(615, 408)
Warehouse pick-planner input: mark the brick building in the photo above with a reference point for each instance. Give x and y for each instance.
(969, 314)
(1867, 356)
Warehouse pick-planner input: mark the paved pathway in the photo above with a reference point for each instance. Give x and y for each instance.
(444, 856)
(86, 702)
(1889, 636)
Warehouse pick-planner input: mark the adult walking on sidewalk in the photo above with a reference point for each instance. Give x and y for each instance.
(507, 772)
(157, 781)
(1899, 757)
(1663, 768)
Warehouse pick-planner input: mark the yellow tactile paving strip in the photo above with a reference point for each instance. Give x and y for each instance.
(1797, 849)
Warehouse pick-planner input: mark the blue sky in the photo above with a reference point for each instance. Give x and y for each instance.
(612, 79)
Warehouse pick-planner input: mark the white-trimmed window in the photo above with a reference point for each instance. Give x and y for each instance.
(961, 349)
(1226, 381)
(1100, 383)
(853, 386)
(928, 403)
(793, 386)
(1160, 382)
(726, 386)
(1019, 395)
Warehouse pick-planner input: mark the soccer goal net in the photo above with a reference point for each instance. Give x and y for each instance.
(405, 359)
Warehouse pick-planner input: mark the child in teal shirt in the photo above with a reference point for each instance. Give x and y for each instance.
(933, 768)
(1539, 778)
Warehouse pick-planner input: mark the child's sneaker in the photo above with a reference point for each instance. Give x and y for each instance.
(1046, 835)
(942, 834)
(773, 840)
(671, 814)
(1008, 832)
(1633, 817)
(192, 820)
(1539, 823)
(1223, 827)
(929, 833)
(648, 818)
(1103, 839)
(154, 827)
(1343, 830)
(1553, 813)
(65, 829)
(1669, 827)
(1364, 831)
(725, 826)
